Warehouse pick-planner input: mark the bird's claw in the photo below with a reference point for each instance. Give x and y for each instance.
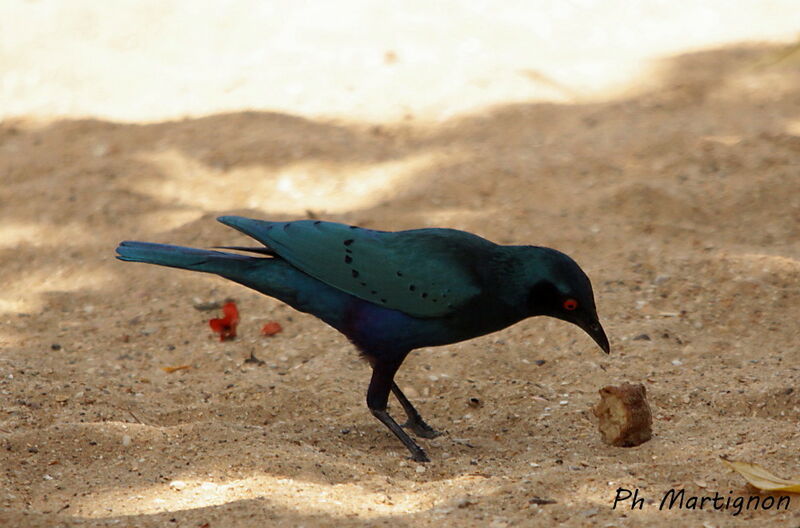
(421, 429)
(420, 456)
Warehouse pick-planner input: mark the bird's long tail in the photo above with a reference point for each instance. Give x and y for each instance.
(225, 264)
(271, 276)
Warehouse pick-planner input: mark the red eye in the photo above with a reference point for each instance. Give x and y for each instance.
(570, 304)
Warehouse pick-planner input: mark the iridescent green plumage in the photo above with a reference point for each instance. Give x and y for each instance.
(392, 292)
(423, 272)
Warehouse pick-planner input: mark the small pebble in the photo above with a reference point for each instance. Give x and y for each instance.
(126, 440)
(677, 362)
(100, 150)
(541, 501)
(177, 485)
(463, 502)
(420, 469)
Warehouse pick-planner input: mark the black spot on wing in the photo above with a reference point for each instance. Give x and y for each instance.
(348, 242)
(348, 259)
(355, 273)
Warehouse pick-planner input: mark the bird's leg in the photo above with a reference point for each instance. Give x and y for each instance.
(377, 398)
(415, 421)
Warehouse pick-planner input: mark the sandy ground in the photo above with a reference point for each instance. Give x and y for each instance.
(679, 196)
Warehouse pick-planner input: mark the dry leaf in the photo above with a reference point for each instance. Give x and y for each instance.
(761, 478)
(170, 370)
(271, 329)
(226, 325)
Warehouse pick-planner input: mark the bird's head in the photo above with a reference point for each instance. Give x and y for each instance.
(559, 288)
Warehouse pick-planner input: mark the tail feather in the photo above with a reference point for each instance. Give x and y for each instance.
(183, 257)
(271, 276)
(260, 250)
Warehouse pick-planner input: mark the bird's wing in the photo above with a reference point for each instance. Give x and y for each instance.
(424, 273)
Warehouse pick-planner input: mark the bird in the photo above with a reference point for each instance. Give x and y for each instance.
(390, 292)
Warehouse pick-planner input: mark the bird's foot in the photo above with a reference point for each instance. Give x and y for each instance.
(420, 456)
(421, 429)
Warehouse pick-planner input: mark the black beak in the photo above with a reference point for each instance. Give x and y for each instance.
(595, 330)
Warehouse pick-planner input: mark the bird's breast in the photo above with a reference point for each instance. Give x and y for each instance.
(378, 330)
